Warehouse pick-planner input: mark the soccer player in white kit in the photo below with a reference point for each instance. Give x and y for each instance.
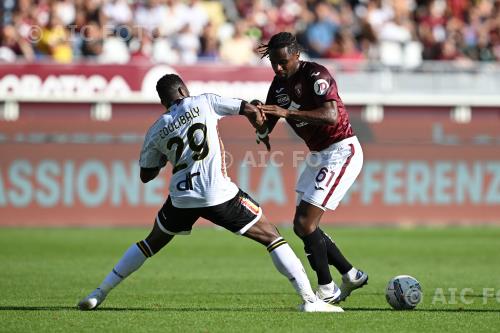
(186, 136)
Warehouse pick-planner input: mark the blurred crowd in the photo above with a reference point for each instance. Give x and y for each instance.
(394, 32)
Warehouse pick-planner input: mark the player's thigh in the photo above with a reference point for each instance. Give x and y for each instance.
(173, 221)
(333, 177)
(346, 175)
(305, 180)
(237, 215)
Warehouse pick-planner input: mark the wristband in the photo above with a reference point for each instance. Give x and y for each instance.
(262, 135)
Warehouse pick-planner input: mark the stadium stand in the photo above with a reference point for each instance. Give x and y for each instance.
(400, 33)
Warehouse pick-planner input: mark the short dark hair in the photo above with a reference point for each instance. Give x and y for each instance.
(278, 41)
(167, 88)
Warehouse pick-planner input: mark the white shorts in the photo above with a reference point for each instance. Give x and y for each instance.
(330, 173)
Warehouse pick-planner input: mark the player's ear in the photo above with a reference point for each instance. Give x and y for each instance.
(183, 91)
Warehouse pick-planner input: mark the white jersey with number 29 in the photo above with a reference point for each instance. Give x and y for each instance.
(187, 136)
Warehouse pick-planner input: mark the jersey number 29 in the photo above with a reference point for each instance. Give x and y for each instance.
(200, 150)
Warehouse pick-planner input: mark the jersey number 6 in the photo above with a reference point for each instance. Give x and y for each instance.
(200, 150)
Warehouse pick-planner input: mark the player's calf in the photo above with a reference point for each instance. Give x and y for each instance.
(283, 257)
(131, 260)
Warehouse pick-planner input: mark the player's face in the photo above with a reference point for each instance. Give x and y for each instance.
(284, 64)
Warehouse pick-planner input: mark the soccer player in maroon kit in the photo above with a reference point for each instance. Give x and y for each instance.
(306, 96)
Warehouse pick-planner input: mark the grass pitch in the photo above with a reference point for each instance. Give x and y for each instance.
(213, 281)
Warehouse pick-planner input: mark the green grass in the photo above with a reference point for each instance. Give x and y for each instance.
(213, 281)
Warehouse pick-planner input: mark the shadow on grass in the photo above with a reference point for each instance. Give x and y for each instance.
(35, 308)
(348, 309)
(153, 308)
(229, 309)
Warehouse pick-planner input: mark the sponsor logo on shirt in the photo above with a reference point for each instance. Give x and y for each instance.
(187, 184)
(249, 205)
(282, 99)
(321, 86)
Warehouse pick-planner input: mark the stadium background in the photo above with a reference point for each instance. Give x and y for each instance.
(420, 80)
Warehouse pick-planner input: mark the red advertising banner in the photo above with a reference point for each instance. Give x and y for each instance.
(60, 167)
(91, 80)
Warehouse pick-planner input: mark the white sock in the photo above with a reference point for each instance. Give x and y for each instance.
(327, 288)
(129, 263)
(287, 263)
(351, 275)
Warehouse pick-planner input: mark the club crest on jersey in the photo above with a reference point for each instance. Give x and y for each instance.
(282, 99)
(298, 89)
(321, 86)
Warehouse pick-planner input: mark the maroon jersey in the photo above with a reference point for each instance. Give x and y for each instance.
(308, 89)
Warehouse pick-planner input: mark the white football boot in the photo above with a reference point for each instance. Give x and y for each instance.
(319, 306)
(329, 293)
(348, 286)
(93, 300)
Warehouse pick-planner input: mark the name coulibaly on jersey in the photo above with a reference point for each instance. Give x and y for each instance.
(188, 138)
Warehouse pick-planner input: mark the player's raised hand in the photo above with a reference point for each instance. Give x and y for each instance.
(254, 115)
(258, 119)
(257, 103)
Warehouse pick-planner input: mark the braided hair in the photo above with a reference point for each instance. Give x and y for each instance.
(278, 41)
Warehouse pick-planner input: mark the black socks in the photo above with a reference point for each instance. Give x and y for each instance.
(315, 248)
(316, 251)
(335, 257)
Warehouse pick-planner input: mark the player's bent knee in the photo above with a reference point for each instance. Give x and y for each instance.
(263, 232)
(157, 241)
(270, 237)
(303, 229)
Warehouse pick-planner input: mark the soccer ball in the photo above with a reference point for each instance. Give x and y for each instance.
(403, 292)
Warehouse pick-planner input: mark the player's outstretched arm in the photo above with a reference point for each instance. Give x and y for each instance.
(325, 114)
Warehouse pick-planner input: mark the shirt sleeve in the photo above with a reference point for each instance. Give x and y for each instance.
(324, 86)
(150, 156)
(224, 106)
